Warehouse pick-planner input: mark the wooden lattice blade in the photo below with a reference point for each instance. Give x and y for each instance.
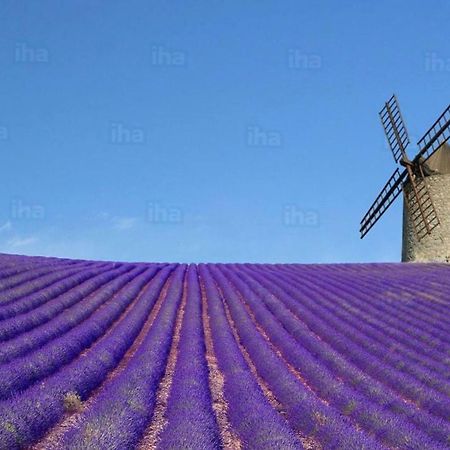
(435, 137)
(394, 128)
(421, 210)
(386, 197)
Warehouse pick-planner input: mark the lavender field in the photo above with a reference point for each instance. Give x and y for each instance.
(100, 355)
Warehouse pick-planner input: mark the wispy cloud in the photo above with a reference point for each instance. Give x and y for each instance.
(7, 226)
(102, 215)
(11, 240)
(18, 242)
(120, 223)
(123, 223)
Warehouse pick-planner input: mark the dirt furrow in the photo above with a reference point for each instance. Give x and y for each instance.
(308, 442)
(312, 443)
(229, 438)
(274, 348)
(53, 437)
(158, 423)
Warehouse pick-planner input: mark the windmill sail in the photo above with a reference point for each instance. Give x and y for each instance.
(435, 137)
(386, 197)
(420, 206)
(394, 128)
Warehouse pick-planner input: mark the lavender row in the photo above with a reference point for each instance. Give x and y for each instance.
(401, 373)
(351, 374)
(426, 347)
(410, 275)
(395, 425)
(191, 420)
(372, 333)
(379, 300)
(322, 323)
(12, 275)
(28, 416)
(19, 260)
(35, 299)
(33, 287)
(415, 314)
(22, 372)
(305, 412)
(417, 289)
(424, 302)
(392, 298)
(19, 284)
(10, 271)
(122, 411)
(367, 336)
(258, 425)
(85, 283)
(14, 281)
(427, 343)
(70, 318)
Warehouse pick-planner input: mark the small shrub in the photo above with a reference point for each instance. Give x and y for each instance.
(350, 407)
(72, 402)
(9, 427)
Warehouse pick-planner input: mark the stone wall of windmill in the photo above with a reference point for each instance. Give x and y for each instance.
(434, 246)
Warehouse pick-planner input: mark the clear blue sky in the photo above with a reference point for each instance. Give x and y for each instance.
(209, 131)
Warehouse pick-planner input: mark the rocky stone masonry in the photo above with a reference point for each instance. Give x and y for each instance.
(436, 246)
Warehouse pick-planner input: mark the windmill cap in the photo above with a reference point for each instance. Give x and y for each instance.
(439, 161)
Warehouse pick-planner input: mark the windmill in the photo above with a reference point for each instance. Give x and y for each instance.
(413, 177)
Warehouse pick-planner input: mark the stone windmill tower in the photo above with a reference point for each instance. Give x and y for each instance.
(425, 183)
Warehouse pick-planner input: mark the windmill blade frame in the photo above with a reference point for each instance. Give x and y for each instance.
(386, 197)
(435, 137)
(394, 128)
(420, 205)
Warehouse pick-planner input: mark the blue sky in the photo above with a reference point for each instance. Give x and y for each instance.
(209, 131)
